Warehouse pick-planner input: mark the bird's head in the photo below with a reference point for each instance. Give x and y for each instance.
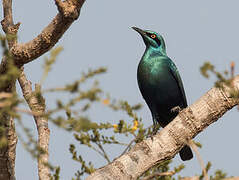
(152, 39)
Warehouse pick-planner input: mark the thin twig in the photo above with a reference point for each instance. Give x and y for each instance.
(128, 146)
(103, 151)
(131, 142)
(200, 160)
(29, 112)
(232, 69)
(170, 173)
(5, 95)
(96, 150)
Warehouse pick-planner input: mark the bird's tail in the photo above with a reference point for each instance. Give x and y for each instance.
(186, 153)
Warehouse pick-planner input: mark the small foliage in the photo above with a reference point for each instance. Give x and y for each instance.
(218, 175)
(50, 61)
(223, 79)
(85, 168)
(56, 175)
(207, 66)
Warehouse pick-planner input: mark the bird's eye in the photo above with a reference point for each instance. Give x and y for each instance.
(153, 36)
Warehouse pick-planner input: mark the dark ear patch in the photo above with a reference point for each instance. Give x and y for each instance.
(156, 39)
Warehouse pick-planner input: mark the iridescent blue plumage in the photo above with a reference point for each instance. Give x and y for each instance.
(160, 83)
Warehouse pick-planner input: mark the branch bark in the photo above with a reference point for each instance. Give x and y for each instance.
(69, 11)
(168, 142)
(8, 151)
(41, 123)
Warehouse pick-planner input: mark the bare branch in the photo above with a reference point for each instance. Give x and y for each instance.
(69, 11)
(200, 160)
(38, 106)
(7, 23)
(168, 142)
(103, 152)
(7, 11)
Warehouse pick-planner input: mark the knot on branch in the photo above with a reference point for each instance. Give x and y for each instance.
(19, 51)
(10, 29)
(69, 8)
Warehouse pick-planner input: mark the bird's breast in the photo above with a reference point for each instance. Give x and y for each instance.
(157, 83)
(153, 73)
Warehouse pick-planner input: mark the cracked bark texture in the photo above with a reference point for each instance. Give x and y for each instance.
(68, 12)
(168, 142)
(8, 152)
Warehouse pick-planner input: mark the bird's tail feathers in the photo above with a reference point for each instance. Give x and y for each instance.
(186, 153)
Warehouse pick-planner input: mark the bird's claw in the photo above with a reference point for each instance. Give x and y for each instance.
(176, 109)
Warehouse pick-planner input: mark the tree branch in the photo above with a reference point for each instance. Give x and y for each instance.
(7, 23)
(21, 54)
(38, 106)
(8, 150)
(168, 142)
(200, 160)
(69, 11)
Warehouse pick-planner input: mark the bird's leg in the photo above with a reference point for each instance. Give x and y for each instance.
(176, 109)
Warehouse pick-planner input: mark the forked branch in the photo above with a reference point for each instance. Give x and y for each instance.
(69, 11)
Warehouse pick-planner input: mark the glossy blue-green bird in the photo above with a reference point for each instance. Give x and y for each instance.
(160, 83)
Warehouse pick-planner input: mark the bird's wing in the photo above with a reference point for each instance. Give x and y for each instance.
(175, 73)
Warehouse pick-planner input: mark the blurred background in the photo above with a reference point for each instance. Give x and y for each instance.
(194, 32)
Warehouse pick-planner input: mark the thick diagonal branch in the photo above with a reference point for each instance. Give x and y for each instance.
(68, 12)
(167, 143)
(37, 105)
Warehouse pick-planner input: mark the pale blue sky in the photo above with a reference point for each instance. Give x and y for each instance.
(194, 32)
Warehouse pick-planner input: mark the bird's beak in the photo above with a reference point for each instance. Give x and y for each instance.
(140, 31)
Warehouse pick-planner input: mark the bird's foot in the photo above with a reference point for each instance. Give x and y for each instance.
(176, 109)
